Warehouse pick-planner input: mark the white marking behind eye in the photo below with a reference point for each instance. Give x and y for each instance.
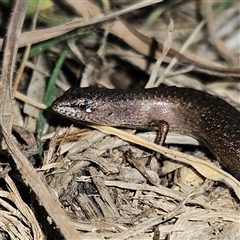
(89, 110)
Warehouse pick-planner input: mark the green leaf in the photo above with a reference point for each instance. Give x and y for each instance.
(49, 97)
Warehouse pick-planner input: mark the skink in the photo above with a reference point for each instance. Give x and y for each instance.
(209, 119)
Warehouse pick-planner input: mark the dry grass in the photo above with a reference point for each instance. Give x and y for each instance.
(89, 184)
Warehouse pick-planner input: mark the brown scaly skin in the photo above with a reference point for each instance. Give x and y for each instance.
(205, 117)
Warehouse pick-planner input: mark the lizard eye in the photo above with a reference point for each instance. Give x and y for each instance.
(85, 106)
(82, 106)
